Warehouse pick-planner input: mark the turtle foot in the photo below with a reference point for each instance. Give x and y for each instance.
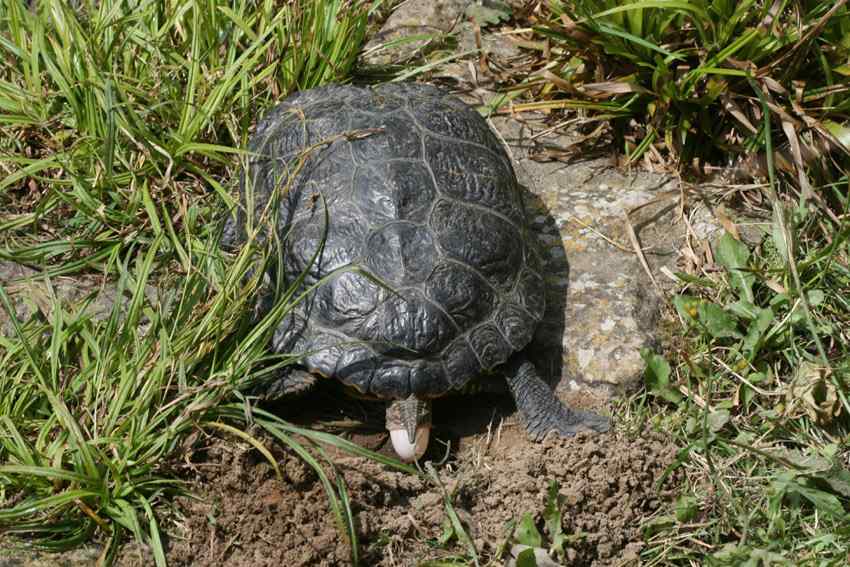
(568, 423)
(294, 381)
(540, 408)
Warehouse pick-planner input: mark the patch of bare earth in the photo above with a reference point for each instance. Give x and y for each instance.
(245, 515)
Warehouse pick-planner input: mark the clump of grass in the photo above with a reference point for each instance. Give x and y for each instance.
(119, 120)
(675, 77)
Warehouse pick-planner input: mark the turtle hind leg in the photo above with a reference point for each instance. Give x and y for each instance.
(293, 381)
(541, 410)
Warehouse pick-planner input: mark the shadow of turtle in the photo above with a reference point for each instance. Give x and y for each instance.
(547, 347)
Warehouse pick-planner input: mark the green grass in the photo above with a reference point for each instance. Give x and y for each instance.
(94, 410)
(675, 78)
(119, 122)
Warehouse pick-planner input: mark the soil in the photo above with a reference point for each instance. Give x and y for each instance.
(244, 515)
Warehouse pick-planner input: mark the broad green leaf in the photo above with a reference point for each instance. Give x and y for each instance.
(734, 256)
(552, 516)
(815, 297)
(657, 525)
(809, 461)
(778, 234)
(840, 131)
(687, 306)
(743, 309)
(787, 485)
(717, 420)
(526, 558)
(448, 532)
(686, 509)
(527, 533)
(717, 321)
(826, 503)
(756, 332)
(838, 480)
(657, 376)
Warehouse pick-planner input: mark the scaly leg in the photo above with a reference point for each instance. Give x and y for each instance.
(541, 410)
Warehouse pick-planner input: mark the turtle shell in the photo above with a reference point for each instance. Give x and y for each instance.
(400, 202)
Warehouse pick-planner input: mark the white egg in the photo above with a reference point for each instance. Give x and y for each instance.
(406, 450)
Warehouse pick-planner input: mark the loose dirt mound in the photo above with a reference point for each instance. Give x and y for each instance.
(246, 516)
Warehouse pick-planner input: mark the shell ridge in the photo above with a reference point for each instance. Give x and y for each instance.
(442, 137)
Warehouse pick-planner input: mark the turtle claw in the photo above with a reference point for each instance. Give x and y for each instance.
(568, 423)
(582, 421)
(598, 423)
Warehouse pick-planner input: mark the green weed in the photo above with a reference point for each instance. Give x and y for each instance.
(760, 392)
(673, 75)
(93, 410)
(120, 120)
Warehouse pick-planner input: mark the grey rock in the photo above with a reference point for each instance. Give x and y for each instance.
(413, 18)
(610, 308)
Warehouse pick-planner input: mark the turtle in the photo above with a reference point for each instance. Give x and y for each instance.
(401, 215)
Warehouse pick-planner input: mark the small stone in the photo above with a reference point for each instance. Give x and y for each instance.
(427, 500)
(585, 356)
